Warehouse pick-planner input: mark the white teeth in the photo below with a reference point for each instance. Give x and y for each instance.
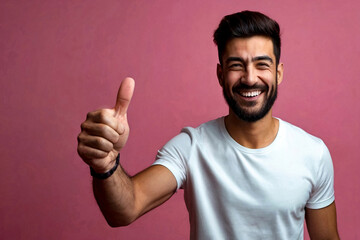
(250, 94)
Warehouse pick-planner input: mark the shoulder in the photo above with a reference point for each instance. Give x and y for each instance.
(206, 130)
(307, 145)
(190, 136)
(312, 150)
(300, 136)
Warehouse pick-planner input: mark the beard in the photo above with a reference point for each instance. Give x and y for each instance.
(251, 115)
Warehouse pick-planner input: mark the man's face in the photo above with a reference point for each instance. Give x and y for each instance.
(249, 77)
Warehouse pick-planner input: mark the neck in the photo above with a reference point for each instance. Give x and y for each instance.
(257, 134)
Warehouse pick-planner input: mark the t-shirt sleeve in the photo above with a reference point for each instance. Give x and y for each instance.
(174, 156)
(322, 194)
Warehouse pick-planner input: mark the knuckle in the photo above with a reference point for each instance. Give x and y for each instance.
(103, 116)
(81, 151)
(89, 115)
(83, 126)
(100, 141)
(80, 137)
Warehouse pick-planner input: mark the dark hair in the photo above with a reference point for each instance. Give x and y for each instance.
(247, 24)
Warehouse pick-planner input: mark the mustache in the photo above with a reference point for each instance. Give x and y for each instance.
(242, 87)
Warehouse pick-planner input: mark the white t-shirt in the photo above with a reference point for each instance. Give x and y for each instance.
(233, 192)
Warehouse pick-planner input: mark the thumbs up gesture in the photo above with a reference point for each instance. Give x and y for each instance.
(105, 132)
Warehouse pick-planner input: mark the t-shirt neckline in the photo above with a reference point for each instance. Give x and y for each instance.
(251, 150)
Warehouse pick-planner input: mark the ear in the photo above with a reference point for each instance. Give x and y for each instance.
(280, 72)
(219, 73)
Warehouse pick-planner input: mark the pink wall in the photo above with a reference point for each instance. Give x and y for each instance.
(61, 59)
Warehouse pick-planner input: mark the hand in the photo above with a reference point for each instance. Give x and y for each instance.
(105, 132)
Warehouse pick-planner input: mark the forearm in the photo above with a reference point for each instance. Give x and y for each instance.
(116, 199)
(103, 134)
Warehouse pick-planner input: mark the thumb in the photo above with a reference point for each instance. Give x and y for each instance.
(124, 96)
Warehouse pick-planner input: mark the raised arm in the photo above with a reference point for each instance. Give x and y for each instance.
(121, 198)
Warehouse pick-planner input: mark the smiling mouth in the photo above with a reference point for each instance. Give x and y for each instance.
(250, 94)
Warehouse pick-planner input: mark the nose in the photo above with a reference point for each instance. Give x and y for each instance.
(249, 77)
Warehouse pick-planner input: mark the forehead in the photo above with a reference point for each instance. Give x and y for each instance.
(248, 48)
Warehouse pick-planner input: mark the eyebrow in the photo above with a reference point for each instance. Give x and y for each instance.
(254, 59)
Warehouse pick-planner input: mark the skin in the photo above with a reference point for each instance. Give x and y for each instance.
(122, 199)
(250, 62)
(321, 223)
(241, 65)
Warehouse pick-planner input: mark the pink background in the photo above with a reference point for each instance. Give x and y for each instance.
(61, 59)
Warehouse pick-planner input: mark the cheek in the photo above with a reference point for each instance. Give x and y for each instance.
(268, 78)
(232, 77)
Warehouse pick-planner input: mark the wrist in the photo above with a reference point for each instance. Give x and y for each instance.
(108, 173)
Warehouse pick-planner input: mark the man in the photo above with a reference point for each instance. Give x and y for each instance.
(246, 176)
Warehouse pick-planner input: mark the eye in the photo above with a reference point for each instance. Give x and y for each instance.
(263, 65)
(236, 66)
